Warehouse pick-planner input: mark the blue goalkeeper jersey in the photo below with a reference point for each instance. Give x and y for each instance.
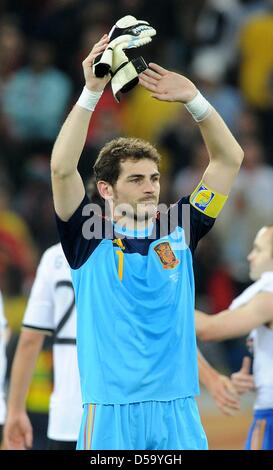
(135, 306)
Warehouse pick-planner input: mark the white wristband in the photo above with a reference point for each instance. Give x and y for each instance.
(88, 99)
(199, 107)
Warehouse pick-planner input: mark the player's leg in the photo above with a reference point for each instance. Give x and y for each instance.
(260, 436)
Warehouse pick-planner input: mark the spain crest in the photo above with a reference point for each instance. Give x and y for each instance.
(166, 255)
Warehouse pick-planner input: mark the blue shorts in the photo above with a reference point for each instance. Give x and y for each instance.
(260, 436)
(150, 425)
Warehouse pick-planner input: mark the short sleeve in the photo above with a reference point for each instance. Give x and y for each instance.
(3, 322)
(267, 282)
(81, 234)
(195, 223)
(39, 312)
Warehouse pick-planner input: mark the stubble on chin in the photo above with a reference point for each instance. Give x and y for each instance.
(253, 276)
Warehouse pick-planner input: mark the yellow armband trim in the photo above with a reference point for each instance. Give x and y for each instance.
(207, 201)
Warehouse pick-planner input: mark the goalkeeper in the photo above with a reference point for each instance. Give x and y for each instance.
(133, 276)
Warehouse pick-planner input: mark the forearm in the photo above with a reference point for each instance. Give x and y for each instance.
(202, 325)
(206, 372)
(220, 143)
(210, 327)
(22, 370)
(70, 142)
(223, 325)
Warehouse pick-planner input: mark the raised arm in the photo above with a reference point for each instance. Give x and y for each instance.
(67, 185)
(237, 322)
(224, 151)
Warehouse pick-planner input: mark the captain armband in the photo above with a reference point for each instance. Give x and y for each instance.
(207, 201)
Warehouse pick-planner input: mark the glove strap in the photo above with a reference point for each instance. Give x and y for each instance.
(103, 63)
(126, 76)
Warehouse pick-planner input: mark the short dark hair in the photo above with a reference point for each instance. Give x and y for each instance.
(92, 191)
(107, 165)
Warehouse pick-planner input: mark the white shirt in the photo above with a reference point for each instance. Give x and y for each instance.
(3, 361)
(51, 309)
(262, 345)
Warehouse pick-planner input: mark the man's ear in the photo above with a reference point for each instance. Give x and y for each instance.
(105, 189)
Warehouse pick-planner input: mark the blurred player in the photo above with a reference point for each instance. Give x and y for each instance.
(133, 281)
(252, 312)
(3, 328)
(50, 311)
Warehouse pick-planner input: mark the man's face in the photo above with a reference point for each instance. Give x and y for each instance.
(261, 256)
(138, 187)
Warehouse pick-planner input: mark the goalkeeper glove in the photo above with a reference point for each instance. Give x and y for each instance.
(127, 33)
(125, 73)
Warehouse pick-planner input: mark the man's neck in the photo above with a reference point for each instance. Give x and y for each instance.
(134, 227)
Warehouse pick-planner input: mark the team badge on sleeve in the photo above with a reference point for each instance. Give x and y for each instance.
(166, 255)
(207, 201)
(203, 198)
